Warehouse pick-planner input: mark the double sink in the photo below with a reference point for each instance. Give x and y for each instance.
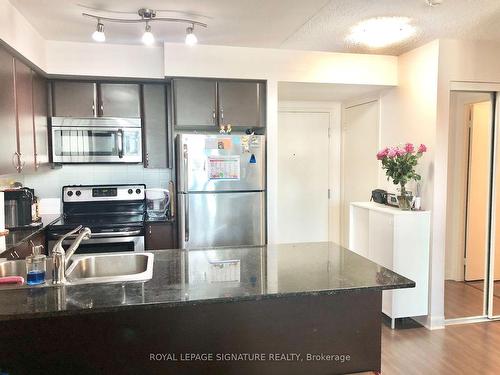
(95, 268)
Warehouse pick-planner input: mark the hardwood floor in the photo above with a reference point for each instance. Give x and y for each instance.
(462, 300)
(468, 349)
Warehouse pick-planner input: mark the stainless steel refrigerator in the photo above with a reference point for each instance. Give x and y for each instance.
(221, 195)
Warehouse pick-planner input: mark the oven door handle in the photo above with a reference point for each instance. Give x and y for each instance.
(111, 234)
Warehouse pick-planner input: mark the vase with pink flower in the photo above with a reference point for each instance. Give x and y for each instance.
(399, 163)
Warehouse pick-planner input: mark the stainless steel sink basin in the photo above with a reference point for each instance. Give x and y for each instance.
(117, 267)
(13, 268)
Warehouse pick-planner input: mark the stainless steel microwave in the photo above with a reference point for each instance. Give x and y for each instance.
(96, 140)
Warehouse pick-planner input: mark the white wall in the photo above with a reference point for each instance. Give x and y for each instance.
(110, 60)
(279, 65)
(408, 114)
(17, 32)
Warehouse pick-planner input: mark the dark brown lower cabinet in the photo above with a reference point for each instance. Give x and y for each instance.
(161, 236)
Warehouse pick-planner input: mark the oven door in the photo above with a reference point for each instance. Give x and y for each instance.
(71, 144)
(104, 243)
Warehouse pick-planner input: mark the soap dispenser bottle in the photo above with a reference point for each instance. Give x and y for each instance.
(36, 265)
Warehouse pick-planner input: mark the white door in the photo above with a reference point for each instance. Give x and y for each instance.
(360, 143)
(303, 175)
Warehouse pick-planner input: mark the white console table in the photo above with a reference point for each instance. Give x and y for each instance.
(398, 240)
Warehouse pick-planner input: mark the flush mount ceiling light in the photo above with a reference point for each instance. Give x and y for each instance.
(434, 3)
(146, 16)
(381, 32)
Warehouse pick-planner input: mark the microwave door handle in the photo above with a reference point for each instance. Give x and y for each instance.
(119, 140)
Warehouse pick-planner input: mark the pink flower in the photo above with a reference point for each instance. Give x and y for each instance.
(392, 153)
(382, 153)
(400, 151)
(422, 148)
(409, 148)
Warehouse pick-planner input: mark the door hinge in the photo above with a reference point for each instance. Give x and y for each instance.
(465, 261)
(329, 133)
(329, 193)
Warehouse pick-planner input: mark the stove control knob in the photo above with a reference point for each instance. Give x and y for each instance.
(78, 193)
(138, 191)
(70, 193)
(130, 191)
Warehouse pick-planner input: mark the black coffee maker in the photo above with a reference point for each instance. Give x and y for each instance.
(18, 207)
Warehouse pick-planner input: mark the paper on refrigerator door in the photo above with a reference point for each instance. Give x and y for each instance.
(224, 271)
(223, 167)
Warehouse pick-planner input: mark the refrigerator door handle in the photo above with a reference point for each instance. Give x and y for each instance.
(185, 170)
(186, 217)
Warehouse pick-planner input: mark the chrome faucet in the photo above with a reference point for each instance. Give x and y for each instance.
(60, 257)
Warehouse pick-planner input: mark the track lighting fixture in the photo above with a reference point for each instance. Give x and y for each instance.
(147, 16)
(98, 35)
(148, 38)
(191, 39)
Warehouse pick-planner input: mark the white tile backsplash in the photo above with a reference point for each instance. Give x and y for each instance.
(48, 182)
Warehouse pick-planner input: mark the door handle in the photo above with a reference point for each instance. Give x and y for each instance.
(186, 218)
(186, 166)
(119, 140)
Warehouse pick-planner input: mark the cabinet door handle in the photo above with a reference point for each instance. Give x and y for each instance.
(93, 110)
(21, 163)
(221, 115)
(16, 254)
(37, 164)
(15, 160)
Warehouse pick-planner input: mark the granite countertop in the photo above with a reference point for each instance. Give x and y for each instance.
(221, 275)
(20, 235)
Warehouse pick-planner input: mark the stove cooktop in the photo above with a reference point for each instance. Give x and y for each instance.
(99, 221)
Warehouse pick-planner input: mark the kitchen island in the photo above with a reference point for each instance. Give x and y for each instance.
(285, 309)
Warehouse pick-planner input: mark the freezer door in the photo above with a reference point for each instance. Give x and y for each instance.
(221, 219)
(220, 163)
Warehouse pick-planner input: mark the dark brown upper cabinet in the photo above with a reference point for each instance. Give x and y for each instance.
(119, 100)
(23, 116)
(40, 113)
(8, 140)
(156, 140)
(90, 99)
(241, 103)
(208, 103)
(194, 102)
(25, 125)
(74, 99)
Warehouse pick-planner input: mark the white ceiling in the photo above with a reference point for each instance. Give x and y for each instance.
(320, 92)
(294, 24)
(231, 22)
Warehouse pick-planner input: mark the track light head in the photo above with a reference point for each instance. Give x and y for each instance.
(148, 38)
(191, 38)
(98, 35)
